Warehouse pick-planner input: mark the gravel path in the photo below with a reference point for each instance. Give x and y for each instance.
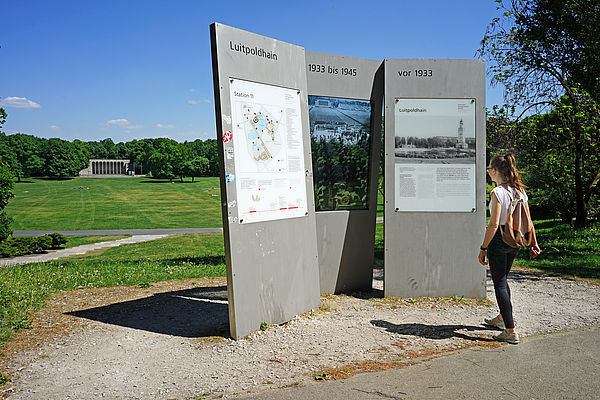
(77, 250)
(166, 342)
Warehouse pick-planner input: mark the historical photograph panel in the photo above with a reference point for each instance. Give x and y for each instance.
(340, 131)
(435, 131)
(434, 155)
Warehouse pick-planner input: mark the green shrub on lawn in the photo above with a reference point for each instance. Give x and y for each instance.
(58, 240)
(20, 246)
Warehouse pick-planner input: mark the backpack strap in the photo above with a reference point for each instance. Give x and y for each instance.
(511, 195)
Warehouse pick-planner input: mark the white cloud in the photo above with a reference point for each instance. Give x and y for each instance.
(54, 127)
(198, 101)
(122, 123)
(192, 90)
(161, 126)
(18, 102)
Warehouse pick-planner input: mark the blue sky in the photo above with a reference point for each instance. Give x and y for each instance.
(133, 69)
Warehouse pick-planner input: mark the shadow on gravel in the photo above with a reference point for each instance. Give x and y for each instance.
(191, 313)
(433, 331)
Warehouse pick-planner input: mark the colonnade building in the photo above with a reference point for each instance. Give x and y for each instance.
(108, 167)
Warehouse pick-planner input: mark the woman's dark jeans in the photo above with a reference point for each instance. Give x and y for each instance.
(500, 258)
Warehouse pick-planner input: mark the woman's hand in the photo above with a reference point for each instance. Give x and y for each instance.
(534, 251)
(482, 257)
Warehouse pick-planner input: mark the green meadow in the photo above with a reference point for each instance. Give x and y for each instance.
(145, 203)
(115, 203)
(24, 288)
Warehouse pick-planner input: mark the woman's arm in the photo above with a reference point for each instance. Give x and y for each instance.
(534, 250)
(491, 228)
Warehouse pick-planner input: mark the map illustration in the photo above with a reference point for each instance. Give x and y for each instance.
(268, 150)
(263, 138)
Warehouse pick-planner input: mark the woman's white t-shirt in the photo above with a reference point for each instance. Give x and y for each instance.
(504, 199)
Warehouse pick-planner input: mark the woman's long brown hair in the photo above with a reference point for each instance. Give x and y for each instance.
(507, 166)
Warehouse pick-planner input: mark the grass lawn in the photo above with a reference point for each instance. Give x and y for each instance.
(24, 288)
(115, 203)
(565, 252)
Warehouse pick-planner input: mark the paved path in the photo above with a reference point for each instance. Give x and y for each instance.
(564, 365)
(98, 232)
(55, 255)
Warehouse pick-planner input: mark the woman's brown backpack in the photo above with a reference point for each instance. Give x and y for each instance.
(518, 231)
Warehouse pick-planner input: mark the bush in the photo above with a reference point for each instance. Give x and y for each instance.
(41, 243)
(5, 225)
(6, 250)
(57, 240)
(20, 246)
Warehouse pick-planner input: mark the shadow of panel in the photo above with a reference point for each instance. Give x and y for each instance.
(190, 313)
(436, 332)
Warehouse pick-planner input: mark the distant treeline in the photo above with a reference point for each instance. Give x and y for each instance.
(30, 156)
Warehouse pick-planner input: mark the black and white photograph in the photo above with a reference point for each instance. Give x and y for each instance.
(333, 119)
(435, 131)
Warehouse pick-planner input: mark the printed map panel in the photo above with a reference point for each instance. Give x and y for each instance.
(268, 152)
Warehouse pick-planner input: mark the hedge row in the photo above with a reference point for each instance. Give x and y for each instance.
(20, 246)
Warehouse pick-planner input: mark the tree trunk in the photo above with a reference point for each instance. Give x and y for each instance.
(580, 204)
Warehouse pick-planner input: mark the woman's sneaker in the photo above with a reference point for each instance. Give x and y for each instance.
(495, 322)
(512, 338)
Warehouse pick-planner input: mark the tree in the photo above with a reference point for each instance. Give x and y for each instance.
(196, 167)
(26, 150)
(548, 144)
(9, 156)
(6, 193)
(7, 184)
(166, 161)
(541, 50)
(2, 117)
(63, 158)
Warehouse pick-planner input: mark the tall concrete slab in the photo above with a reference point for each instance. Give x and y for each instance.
(270, 242)
(345, 237)
(434, 177)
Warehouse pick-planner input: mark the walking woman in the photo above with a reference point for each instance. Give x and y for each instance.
(503, 171)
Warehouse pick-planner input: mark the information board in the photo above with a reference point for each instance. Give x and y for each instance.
(434, 154)
(434, 175)
(345, 101)
(267, 203)
(267, 138)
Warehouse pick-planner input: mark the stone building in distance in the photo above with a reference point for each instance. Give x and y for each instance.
(108, 168)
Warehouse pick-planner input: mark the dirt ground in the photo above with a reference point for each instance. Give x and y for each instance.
(169, 341)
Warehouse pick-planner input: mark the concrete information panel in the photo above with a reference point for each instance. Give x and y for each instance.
(266, 178)
(345, 102)
(434, 177)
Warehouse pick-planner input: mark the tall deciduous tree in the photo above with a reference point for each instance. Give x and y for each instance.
(63, 158)
(26, 149)
(541, 50)
(548, 144)
(6, 190)
(6, 193)
(196, 167)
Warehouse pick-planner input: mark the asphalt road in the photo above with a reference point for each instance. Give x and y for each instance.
(564, 365)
